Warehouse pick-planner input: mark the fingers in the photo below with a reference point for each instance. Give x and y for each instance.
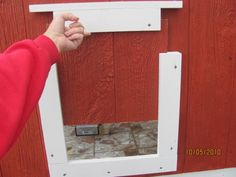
(76, 28)
(74, 31)
(69, 17)
(76, 24)
(66, 28)
(76, 36)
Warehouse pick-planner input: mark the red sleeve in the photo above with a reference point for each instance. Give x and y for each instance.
(24, 69)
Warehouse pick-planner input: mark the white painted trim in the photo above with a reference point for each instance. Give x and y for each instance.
(227, 172)
(113, 16)
(164, 161)
(119, 20)
(52, 121)
(104, 5)
(169, 96)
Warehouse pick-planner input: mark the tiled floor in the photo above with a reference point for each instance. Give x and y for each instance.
(114, 140)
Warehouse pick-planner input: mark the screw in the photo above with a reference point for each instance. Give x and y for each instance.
(175, 67)
(161, 167)
(64, 174)
(52, 155)
(149, 24)
(171, 148)
(108, 172)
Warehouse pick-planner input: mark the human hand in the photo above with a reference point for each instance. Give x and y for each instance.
(66, 38)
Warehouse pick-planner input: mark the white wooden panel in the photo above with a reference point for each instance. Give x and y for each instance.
(117, 20)
(114, 16)
(104, 5)
(111, 167)
(169, 102)
(164, 161)
(51, 118)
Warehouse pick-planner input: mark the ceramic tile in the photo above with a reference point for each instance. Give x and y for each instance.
(104, 129)
(145, 151)
(69, 131)
(78, 145)
(120, 127)
(139, 126)
(131, 152)
(145, 138)
(114, 142)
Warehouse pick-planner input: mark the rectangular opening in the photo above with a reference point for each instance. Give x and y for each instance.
(114, 140)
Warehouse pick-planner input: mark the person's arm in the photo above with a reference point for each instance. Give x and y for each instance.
(24, 68)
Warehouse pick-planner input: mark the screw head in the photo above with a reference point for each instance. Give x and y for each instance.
(175, 67)
(149, 24)
(64, 174)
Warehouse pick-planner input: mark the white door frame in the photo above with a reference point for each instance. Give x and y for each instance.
(168, 125)
(116, 16)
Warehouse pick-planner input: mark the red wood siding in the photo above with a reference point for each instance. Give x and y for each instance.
(86, 79)
(136, 71)
(27, 157)
(229, 37)
(112, 78)
(211, 81)
(204, 33)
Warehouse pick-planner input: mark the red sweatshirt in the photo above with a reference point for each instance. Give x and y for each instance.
(24, 69)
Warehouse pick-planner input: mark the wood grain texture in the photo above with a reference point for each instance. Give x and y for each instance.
(231, 153)
(228, 38)
(136, 73)
(94, 88)
(2, 35)
(12, 18)
(27, 157)
(0, 170)
(86, 79)
(211, 82)
(36, 23)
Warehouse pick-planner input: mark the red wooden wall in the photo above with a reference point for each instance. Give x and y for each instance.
(112, 78)
(204, 31)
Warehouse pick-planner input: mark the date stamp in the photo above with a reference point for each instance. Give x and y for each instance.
(204, 152)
